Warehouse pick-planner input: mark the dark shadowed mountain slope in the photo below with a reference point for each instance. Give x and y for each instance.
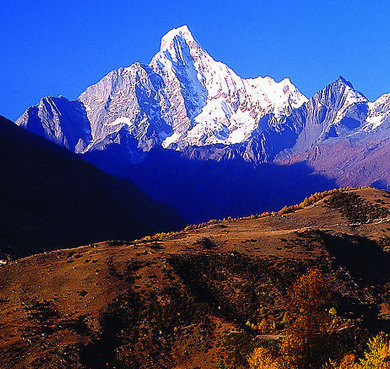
(51, 198)
(206, 189)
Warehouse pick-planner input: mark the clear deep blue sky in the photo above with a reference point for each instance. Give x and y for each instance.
(53, 47)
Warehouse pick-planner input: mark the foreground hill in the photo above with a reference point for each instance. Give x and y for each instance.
(51, 199)
(202, 297)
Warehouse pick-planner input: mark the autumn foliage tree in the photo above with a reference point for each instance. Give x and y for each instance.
(262, 358)
(378, 354)
(305, 343)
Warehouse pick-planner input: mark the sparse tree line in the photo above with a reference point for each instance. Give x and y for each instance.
(307, 201)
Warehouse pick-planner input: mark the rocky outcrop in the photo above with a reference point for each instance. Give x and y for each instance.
(59, 120)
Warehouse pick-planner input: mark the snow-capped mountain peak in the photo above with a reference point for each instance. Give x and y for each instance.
(221, 106)
(340, 99)
(179, 46)
(181, 33)
(182, 98)
(351, 95)
(341, 80)
(349, 99)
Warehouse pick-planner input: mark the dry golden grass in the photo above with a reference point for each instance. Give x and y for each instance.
(80, 283)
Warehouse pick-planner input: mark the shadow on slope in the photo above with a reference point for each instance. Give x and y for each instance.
(206, 189)
(51, 198)
(364, 258)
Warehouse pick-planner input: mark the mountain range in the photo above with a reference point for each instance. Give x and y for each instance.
(183, 125)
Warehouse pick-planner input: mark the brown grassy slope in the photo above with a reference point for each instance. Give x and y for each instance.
(201, 296)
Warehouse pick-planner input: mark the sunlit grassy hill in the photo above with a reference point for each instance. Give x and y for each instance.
(202, 297)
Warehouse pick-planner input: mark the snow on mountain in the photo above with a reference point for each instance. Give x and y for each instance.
(186, 101)
(221, 106)
(182, 98)
(348, 98)
(379, 112)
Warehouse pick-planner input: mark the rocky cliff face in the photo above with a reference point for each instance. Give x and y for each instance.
(59, 120)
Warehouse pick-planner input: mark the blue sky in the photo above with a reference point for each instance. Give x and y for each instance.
(53, 47)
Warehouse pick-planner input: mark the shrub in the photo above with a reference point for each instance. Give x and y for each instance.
(261, 358)
(377, 356)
